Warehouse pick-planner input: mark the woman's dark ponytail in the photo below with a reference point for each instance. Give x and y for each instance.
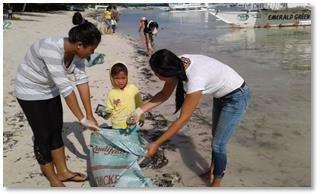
(180, 92)
(165, 63)
(85, 32)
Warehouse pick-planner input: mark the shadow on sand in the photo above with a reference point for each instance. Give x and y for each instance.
(191, 158)
(74, 128)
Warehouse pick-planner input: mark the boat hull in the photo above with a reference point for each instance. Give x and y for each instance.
(266, 18)
(185, 6)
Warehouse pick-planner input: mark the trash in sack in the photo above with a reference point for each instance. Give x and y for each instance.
(96, 58)
(114, 158)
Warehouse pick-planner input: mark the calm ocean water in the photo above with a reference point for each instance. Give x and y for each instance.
(200, 32)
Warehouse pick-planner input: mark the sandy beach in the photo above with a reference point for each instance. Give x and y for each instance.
(258, 155)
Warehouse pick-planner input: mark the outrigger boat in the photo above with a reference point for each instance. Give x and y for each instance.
(266, 15)
(186, 6)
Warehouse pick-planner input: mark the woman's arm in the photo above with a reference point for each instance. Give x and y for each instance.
(82, 83)
(161, 96)
(189, 105)
(71, 101)
(84, 92)
(156, 100)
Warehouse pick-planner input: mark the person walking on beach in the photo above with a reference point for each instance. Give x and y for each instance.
(107, 19)
(192, 76)
(40, 79)
(10, 13)
(115, 18)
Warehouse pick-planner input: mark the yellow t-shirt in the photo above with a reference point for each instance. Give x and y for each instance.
(107, 15)
(121, 103)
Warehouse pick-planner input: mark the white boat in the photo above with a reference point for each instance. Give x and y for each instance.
(187, 6)
(267, 15)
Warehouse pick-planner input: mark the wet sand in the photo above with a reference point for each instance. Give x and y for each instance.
(270, 149)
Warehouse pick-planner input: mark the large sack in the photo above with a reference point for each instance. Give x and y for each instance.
(114, 156)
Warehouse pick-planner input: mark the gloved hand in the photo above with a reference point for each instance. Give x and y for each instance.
(134, 117)
(89, 124)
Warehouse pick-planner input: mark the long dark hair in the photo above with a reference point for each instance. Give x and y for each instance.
(165, 63)
(85, 32)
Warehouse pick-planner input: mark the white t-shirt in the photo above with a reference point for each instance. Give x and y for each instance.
(210, 76)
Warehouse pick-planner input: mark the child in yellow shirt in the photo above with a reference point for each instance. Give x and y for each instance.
(123, 99)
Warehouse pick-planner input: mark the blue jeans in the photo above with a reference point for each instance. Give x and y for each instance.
(226, 115)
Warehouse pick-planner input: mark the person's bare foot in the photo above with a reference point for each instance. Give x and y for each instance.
(216, 182)
(56, 183)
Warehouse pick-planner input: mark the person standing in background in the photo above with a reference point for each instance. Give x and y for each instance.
(115, 18)
(107, 19)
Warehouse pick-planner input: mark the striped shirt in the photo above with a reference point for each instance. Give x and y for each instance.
(43, 74)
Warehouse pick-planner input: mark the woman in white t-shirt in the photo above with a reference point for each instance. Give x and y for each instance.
(193, 76)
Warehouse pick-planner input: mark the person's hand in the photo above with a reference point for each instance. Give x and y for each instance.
(92, 125)
(91, 118)
(134, 117)
(108, 115)
(152, 149)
